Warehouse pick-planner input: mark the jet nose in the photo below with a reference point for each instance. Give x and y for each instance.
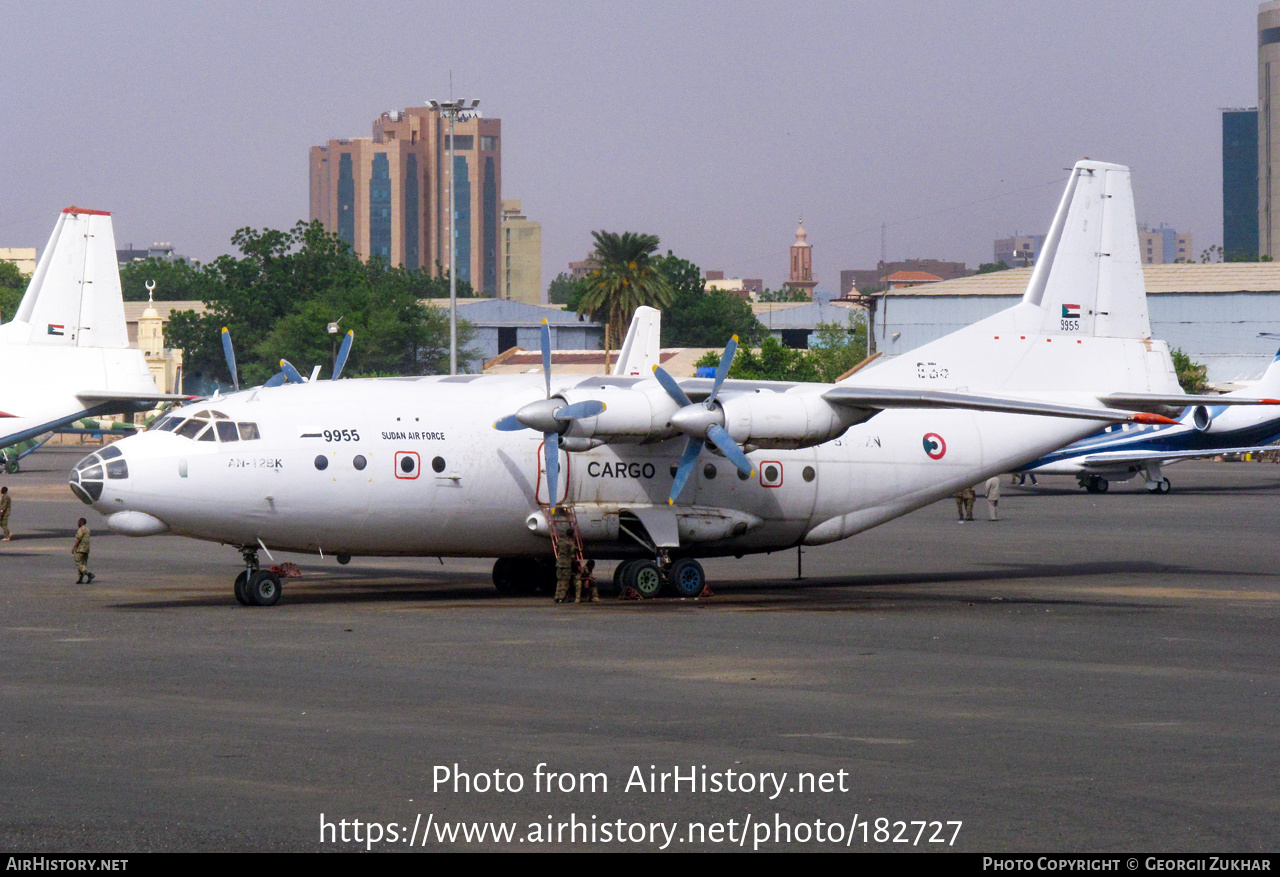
(90, 474)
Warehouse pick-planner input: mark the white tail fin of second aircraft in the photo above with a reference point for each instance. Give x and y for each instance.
(74, 297)
(642, 349)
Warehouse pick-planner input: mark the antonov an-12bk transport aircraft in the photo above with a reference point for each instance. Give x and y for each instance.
(654, 469)
(65, 354)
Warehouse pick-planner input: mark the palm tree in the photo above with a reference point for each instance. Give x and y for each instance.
(624, 278)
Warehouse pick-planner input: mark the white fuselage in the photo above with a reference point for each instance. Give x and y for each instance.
(471, 489)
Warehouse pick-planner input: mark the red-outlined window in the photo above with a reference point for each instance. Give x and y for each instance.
(770, 473)
(408, 464)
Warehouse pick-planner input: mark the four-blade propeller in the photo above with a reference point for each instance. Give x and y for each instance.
(702, 423)
(287, 372)
(551, 417)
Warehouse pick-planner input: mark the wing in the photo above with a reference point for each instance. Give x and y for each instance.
(1158, 401)
(1107, 459)
(97, 397)
(880, 398)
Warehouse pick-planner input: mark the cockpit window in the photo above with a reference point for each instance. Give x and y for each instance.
(167, 424)
(207, 435)
(249, 432)
(190, 428)
(93, 473)
(226, 431)
(110, 452)
(117, 469)
(201, 415)
(218, 415)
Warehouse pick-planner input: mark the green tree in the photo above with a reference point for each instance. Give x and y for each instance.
(13, 283)
(992, 267)
(784, 294)
(176, 280)
(566, 290)
(774, 361)
(701, 317)
(838, 348)
(1191, 375)
(625, 278)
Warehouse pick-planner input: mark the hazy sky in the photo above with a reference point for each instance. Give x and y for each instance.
(712, 125)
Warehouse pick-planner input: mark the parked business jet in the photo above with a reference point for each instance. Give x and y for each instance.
(657, 470)
(1229, 424)
(66, 353)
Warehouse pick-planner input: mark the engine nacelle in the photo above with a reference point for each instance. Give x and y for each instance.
(632, 415)
(768, 419)
(1205, 420)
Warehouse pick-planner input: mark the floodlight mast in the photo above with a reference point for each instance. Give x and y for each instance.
(454, 110)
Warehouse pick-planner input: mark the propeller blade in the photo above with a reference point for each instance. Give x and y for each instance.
(343, 352)
(551, 450)
(669, 384)
(230, 352)
(508, 424)
(290, 372)
(275, 380)
(687, 461)
(546, 354)
(720, 437)
(579, 410)
(722, 370)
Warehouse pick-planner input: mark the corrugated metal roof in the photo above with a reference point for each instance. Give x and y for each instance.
(1211, 277)
(133, 309)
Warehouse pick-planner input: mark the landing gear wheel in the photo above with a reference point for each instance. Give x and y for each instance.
(242, 589)
(1095, 484)
(506, 576)
(646, 577)
(1165, 486)
(264, 588)
(687, 578)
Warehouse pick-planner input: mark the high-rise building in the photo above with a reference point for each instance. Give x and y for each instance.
(388, 195)
(521, 256)
(1018, 251)
(1240, 182)
(1268, 127)
(1163, 245)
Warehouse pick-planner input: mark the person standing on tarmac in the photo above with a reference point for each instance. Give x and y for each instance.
(80, 551)
(993, 498)
(964, 504)
(565, 556)
(6, 504)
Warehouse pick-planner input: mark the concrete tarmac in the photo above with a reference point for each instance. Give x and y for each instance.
(1092, 673)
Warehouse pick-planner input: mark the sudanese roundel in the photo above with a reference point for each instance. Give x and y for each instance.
(934, 446)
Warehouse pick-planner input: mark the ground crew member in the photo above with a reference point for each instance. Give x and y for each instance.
(6, 503)
(80, 551)
(584, 583)
(964, 503)
(993, 498)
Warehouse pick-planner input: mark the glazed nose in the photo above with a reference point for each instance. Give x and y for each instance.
(88, 476)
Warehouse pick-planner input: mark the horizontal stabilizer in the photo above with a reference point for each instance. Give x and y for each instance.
(889, 397)
(1153, 401)
(1113, 458)
(95, 397)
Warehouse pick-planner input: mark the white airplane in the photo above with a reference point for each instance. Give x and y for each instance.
(1228, 424)
(66, 352)
(414, 466)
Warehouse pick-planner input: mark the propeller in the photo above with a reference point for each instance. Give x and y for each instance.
(290, 373)
(343, 352)
(702, 423)
(230, 353)
(551, 417)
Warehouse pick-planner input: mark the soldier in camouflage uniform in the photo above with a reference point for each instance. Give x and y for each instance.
(584, 583)
(80, 551)
(565, 556)
(6, 503)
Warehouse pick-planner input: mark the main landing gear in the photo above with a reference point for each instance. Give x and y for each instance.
(1161, 485)
(254, 586)
(515, 576)
(1094, 483)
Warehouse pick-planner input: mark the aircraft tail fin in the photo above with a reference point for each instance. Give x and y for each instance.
(641, 350)
(74, 297)
(1088, 278)
(1268, 386)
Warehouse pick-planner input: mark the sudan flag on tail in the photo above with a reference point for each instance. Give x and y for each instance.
(1070, 312)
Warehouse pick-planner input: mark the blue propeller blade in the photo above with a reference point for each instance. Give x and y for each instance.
(551, 448)
(508, 424)
(275, 380)
(546, 354)
(230, 352)
(343, 352)
(290, 372)
(720, 437)
(687, 461)
(669, 384)
(722, 370)
(579, 410)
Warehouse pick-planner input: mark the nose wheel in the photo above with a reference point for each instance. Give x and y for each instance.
(254, 586)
